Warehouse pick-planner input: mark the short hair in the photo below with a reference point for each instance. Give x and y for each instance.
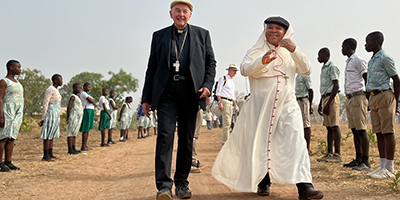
(351, 43)
(128, 98)
(112, 91)
(376, 36)
(325, 51)
(11, 63)
(86, 84)
(75, 85)
(55, 77)
(104, 89)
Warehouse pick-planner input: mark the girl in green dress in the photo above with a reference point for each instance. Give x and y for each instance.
(11, 113)
(51, 117)
(74, 118)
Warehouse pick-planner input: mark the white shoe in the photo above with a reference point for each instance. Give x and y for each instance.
(383, 174)
(375, 171)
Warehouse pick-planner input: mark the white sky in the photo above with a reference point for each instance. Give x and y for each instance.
(70, 37)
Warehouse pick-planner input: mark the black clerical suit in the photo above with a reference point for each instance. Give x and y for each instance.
(175, 94)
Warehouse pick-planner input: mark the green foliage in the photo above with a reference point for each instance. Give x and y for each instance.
(349, 134)
(35, 85)
(122, 83)
(322, 147)
(371, 136)
(395, 184)
(27, 124)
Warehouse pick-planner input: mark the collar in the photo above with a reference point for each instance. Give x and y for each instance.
(180, 31)
(328, 63)
(379, 53)
(351, 57)
(228, 76)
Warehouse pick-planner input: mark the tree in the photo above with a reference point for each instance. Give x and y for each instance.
(35, 85)
(122, 83)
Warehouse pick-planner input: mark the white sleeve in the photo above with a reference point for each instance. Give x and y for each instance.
(219, 86)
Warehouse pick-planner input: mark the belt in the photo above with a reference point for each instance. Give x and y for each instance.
(300, 98)
(226, 98)
(176, 77)
(355, 94)
(329, 94)
(375, 92)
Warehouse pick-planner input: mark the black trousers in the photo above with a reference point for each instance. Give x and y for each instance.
(179, 104)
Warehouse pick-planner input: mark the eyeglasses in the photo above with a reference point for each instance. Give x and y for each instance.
(185, 11)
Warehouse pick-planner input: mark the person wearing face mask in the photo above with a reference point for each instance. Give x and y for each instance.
(267, 144)
(179, 76)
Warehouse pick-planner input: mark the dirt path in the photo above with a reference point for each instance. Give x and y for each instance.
(126, 171)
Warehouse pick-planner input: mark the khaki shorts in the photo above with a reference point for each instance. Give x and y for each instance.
(383, 112)
(356, 108)
(333, 118)
(304, 104)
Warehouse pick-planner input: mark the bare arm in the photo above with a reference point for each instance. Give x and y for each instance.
(332, 96)
(311, 98)
(113, 105)
(120, 112)
(3, 86)
(70, 103)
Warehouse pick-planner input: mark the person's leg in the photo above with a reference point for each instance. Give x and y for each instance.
(74, 145)
(357, 144)
(9, 147)
(307, 136)
(51, 150)
(263, 188)
(364, 140)
(85, 136)
(226, 119)
(2, 146)
(330, 139)
(110, 134)
(69, 144)
(103, 138)
(390, 146)
(337, 137)
(307, 191)
(199, 120)
(46, 149)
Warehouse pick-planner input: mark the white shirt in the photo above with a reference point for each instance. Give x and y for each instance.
(355, 68)
(104, 101)
(227, 90)
(85, 103)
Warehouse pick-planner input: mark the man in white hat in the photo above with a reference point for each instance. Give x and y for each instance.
(226, 98)
(180, 75)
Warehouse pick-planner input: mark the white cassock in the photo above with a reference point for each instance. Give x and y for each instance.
(269, 134)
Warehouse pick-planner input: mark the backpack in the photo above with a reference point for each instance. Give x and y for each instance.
(215, 88)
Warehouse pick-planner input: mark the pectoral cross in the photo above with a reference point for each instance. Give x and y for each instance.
(176, 65)
(286, 78)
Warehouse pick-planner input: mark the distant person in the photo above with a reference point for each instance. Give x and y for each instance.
(123, 118)
(74, 118)
(88, 115)
(220, 121)
(51, 117)
(180, 74)
(226, 99)
(382, 102)
(356, 104)
(267, 145)
(130, 118)
(215, 121)
(11, 113)
(113, 112)
(234, 120)
(209, 118)
(196, 165)
(153, 121)
(329, 105)
(105, 117)
(305, 95)
(141, 119)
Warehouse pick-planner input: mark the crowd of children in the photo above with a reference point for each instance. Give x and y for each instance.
(80, 116)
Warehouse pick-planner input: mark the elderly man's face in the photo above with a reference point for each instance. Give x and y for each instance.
(232, 72)
(274, 33)
(181, 14)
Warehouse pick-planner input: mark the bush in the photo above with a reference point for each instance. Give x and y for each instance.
(27, 124)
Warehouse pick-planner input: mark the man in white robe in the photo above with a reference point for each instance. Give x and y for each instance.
(268, 137)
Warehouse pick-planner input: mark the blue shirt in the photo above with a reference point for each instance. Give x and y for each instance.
(380, 69)
(329, 73)
(140, 112)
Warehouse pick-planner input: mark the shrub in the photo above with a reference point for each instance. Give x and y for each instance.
(27, 124)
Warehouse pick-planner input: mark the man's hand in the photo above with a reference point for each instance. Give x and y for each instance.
(288, 44)
(236, 109)
(204, 92)
(266, 59)
(327, 109)
(221, 106)
(311, 111)
(146, 108)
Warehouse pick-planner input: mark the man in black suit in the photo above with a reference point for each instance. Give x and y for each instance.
(179, 77)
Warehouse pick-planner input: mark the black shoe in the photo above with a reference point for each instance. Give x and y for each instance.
(122, 140)
(4, 168)
(11, 166)
(351, 164)
(164, 194)
(183, 192)
(111, 142)
(263, 191)
(310, 193)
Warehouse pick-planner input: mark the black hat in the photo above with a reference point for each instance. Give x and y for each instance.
(278, 20)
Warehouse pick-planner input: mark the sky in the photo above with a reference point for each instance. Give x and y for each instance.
(74, 36)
